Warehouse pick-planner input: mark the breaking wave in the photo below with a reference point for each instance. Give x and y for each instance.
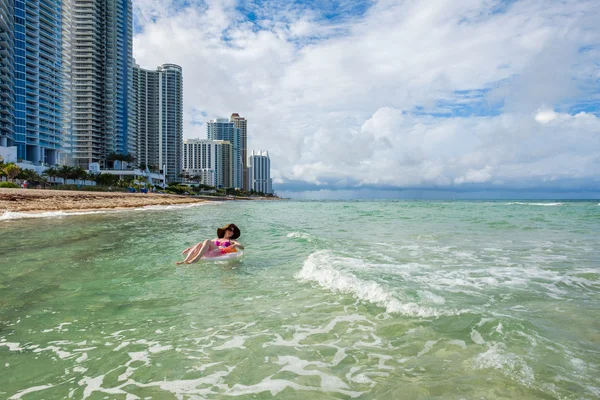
(319, 267)
(534, 204)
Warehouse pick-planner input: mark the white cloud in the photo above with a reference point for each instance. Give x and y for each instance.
(409, 94)
(475, 176)
(544, 116)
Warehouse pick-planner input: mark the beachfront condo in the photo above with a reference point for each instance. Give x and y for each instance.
(158, 118)
(102, 64)
(259, 172)
(223, 129)
(242, 124)
(34, 94)
(7, 56)
(200, 160)
(208, 161)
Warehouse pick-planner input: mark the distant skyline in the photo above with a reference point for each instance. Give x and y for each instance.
(394, 99)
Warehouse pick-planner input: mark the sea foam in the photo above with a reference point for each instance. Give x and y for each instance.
(534, 204)
(173, 206)
(319, 267)
(11, 215)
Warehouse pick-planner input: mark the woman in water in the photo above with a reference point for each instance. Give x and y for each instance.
(223, 244)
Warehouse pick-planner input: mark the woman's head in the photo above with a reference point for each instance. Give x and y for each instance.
(229, 232)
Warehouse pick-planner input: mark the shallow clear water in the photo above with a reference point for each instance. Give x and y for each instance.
(383, 300)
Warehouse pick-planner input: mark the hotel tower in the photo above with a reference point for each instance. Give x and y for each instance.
(158, 118)
(102, 64)
(242, 124)
(225, 130)
(259, 172)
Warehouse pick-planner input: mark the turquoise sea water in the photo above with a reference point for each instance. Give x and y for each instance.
(332, 300)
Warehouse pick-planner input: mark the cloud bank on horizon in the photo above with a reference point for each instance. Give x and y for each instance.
(381, 95)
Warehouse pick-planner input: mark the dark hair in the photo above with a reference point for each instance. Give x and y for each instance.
(236, 231)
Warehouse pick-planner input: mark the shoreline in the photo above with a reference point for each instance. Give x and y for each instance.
(34, 201)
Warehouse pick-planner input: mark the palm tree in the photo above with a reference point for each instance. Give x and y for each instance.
(64, 172)
(2, 173)
(28, 175)
(43, 180)
(77, 174)
(103, 179)
(126, 181)
(11, 170)
(50, 173)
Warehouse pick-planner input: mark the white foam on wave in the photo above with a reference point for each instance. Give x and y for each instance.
(432, 297)
(301, 235)
(12, 346)
(301, 333)
(534, 204)
(237, 342)
(57, 350)
(529, 272)
(507, 363)
(11, 215)
(320, 266)
(29, 390)
(172, 206)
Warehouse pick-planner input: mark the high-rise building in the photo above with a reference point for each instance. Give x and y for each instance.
(210, 160)
(102, 64)
(40, 110)
(223, 129)
(145, 122)
(242, 124)
(7, 57)
(259, 172)
(224, 174)
(200, 160)
(158, 118)
(65, 155)
(170, 119)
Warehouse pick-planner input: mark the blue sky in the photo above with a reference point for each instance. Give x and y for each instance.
(395, 98)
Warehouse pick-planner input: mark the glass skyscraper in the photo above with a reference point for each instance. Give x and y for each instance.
(223, 129)
(38, 80)
(7, 55)
(242, 124)
(102, 63)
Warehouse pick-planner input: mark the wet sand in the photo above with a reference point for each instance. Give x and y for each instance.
(39, 200)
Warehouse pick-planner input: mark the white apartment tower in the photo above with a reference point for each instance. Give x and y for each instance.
(158, 118)
(145, 92)
(200, 160)
(209, 161)
(259, 172)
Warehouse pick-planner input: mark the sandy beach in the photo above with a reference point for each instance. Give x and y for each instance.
(37, 200)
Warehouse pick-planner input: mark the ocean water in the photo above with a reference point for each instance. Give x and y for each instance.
(332, 300)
